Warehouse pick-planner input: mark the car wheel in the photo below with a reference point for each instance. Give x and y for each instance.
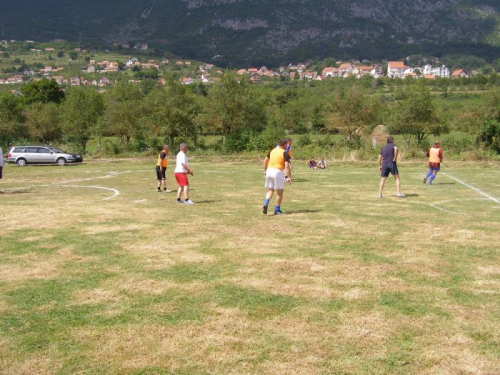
(21, 162)
(61, 161)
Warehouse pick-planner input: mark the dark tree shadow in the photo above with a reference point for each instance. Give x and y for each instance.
(208, 201)
(16, 192)
(295, 212)
(295, 180)
(412, 195)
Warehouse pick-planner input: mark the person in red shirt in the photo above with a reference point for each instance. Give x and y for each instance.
(435, 155)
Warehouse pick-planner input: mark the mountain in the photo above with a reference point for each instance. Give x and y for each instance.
(267, 32)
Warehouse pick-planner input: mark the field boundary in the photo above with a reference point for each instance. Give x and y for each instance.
(473, 188)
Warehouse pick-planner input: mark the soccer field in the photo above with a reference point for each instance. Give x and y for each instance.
(100, 274)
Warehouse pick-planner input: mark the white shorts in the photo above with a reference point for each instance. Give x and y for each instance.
(275, 179)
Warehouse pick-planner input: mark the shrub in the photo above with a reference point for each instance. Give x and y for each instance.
(304, 140)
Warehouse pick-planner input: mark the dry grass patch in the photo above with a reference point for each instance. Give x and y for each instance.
(38, 266)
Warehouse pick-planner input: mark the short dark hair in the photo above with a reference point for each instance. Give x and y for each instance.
(282, 142)
(390, 139)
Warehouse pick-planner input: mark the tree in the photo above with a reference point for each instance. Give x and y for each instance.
(11, 119)
(272, 133)
(353, 112)
(81, 112)
(173, 111)
(232, 105)
(125, 112)
(43, 91)
(414, 115)
(44, 122)
(73, 55)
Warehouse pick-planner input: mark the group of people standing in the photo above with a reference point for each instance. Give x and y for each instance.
(278, 170)
(182, 170)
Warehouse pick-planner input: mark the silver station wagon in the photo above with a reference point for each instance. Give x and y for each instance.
(22, 155)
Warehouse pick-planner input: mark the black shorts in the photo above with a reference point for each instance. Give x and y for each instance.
(160, 173)
(1, 169)
(389, 169)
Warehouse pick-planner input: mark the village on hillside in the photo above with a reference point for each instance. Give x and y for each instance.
(102, 73)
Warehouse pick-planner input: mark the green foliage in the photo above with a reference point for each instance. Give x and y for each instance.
(354, 111)
(414, 115)
(272, 133)
(239, 140)
(304, 140)
(490, 135)
(125, 112)
(232, 105)
(43, 91)
(81, 113)
(44, 122)
(12, 125)
(172, 113)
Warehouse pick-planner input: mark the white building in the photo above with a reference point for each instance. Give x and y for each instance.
(441, 71)
(396, 69)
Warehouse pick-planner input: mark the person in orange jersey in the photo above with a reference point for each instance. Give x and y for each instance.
(435, 155)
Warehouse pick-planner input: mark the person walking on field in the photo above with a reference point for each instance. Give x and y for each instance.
(1, 164)
(387, 161)
(161, 169)
(276, 165)
(288, 149)
(181, 171)
(435, 155)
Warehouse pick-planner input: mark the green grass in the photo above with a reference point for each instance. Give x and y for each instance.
(344, 283)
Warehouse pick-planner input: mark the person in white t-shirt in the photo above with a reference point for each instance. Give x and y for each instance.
(181, 171)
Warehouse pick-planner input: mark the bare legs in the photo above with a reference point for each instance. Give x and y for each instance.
(279, 196)
(398, 184)
(186, 192)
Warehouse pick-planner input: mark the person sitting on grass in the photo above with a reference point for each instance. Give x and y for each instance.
(322, 164)
(313, 164)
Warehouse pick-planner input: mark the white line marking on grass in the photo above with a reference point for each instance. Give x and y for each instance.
(473, 188)
(140, 201)
(115, 192)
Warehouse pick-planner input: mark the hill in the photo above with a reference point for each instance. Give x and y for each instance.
(267, 32)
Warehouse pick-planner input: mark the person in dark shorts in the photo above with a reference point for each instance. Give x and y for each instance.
(387, 161)
(1, 163)
(161, 168)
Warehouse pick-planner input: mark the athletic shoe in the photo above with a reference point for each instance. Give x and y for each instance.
(401, 195)
(425, 180)
(180, 202)
(380, 196)
(279, 212)
(158, 190)
(167, 191)
(189, 201)
(264, 210)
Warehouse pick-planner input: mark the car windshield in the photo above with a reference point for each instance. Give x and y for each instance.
(57, 151)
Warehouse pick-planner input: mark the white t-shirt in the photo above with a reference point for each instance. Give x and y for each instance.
(181, 158)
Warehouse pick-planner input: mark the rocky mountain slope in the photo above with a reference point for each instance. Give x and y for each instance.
(247, 32)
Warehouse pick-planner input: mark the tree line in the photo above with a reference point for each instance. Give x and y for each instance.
(246, 116)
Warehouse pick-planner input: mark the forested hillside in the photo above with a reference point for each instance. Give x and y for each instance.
(243, 32)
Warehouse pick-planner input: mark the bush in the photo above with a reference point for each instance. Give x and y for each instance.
(111, 147)
(240, 140)
(304, 140)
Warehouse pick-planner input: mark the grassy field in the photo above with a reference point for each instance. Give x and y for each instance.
(99, 274)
